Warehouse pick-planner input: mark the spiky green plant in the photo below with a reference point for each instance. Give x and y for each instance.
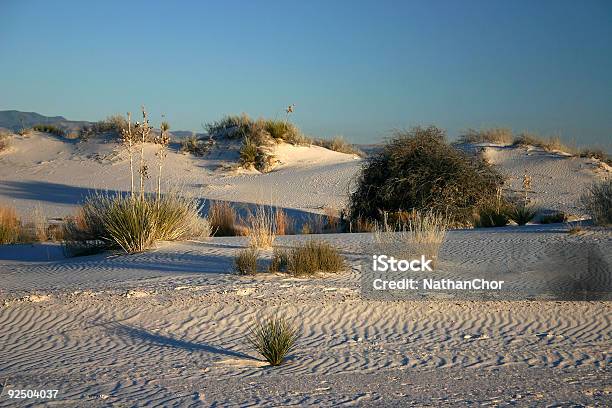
(273, 338)
(521, 214)
(248, 153)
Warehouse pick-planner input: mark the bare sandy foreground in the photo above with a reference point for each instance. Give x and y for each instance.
(167, 327)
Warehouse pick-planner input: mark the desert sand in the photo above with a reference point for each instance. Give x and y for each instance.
(167, 327)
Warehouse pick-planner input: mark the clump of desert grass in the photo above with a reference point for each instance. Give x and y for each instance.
(261, 227)
(133, 224)
(598, 154)
(490, 135)
(34, 228)
(338, 144)
(412, 234)
(10, 225)
(273, 338)
(597, 201)
(552, 143)
(224, 220)
(419, 170)
(114, 125)
(307, 259)
(245, 263)
(51, 129)
(283, 223)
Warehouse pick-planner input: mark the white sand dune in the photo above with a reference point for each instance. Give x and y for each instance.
(167, 327)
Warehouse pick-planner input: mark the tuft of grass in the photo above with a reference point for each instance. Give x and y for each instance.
(261, 229)
(338, 144)
(554, 218)
(576, 230)
(521, 214)
(133, 224)
(223, 219)
(598, 154)
(491, 135)
(230, 126)
(597, 201)
(413, 234)
(245, 263)
(308, 259)
(491, 216)
(283, 223)
(10, 225)
(51, 129)
(249, 152)
(273, 338)
(552, 143)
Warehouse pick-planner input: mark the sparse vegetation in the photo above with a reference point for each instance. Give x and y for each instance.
(195, 146)
(598, 202)
(548, 144)
(4, 140)
(283, 223)
(273, 338)
(10, 225)
(51, 129)
(554, 218)
(338, 144)
(492, 135)
(412, 234)
(308, 259)
(115, 124)
(261, 229)
(245, 263)
(598, 154)
(223, 220)
(418, 170)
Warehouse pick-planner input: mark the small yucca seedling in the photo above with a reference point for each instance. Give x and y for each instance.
(273, 338)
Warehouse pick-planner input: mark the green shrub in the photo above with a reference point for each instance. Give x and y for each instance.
(307, 259)
(419, 170)
(521, 214)
(133, 224)
(194, 146)
(554, 218)
(231, 126)
(493, 135)
(51, 129)
(245, 263)
(598, 202)
(273, 338)
(249, 152)
(285, 131)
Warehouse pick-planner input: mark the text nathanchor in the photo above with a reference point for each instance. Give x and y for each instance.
(384, 263)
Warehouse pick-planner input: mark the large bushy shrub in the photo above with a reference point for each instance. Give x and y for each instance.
(419, 170)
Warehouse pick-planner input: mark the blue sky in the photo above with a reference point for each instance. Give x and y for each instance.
(355, 68)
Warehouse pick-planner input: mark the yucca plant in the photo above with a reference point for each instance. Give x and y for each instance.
(521, 214)
(128, 140)
(162, 142)
(273, 338)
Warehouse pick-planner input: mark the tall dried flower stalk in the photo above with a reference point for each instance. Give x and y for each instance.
(144, 129)
(162, 142)
(128, 139)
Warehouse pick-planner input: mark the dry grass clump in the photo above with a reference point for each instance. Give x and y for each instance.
(598, 202)
(308, 259)
(552, 143)
(414, 233)
(285, 131)
(51, 129)
(598, 154)
(245, 263)
(338, 144)
(230, 126)
(133, 224)
(283, 223)
(10, 225)
(314, 224)
(419, 170)
(491, 135)
(261, 228)
(273, 338)
(223, 220)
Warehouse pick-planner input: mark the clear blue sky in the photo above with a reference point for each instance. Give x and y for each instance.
(356, 68)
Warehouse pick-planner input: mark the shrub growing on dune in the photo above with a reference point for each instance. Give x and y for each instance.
(273, 338)
(10, 225)
(223, 220)
(338, 144)
(51, 129)
(598, 202)
(554, 218)
(521, 213)
(492, 135)
(133, 224)
(418, 170)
